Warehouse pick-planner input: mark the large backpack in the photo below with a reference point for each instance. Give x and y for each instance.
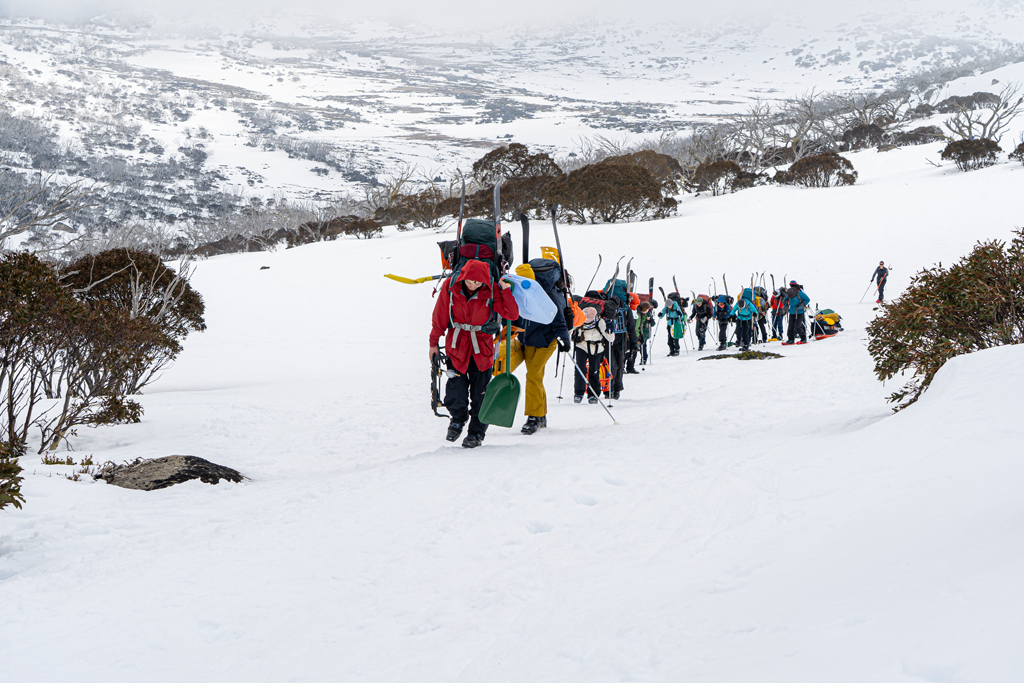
(477, 242)
(723, 306)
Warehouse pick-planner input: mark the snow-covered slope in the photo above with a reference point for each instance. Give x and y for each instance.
(758, 521)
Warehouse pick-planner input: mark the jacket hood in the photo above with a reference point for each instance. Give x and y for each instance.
(475, 270)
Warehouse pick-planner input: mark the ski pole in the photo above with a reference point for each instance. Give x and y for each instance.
(562, 383)
(866, 290)
(591, 390)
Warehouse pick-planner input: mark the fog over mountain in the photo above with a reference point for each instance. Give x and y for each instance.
(457, 14)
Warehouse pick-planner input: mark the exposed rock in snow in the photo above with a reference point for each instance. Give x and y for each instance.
(159, 473)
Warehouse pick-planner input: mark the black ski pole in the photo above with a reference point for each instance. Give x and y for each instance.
(590, 390)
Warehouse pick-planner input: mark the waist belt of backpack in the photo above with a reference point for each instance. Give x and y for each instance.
(472, 329)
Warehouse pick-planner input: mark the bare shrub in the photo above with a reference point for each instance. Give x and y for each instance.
(990, 122)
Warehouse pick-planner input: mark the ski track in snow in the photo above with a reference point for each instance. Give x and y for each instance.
(755, 521)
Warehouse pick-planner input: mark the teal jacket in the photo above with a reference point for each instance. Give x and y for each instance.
(744, 309)
(798, 303)
(673, 312)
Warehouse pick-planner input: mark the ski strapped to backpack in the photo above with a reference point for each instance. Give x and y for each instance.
(483, 241)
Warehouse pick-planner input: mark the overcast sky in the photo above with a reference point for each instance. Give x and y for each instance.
(473, 11)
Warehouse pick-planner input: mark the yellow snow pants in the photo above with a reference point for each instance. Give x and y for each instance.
(536, 359)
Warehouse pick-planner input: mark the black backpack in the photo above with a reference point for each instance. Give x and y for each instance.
(477, 242)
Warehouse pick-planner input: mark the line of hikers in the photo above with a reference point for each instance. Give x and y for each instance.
(608, 330)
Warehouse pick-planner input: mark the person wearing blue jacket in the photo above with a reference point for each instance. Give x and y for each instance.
(744, 311)
(797, 306)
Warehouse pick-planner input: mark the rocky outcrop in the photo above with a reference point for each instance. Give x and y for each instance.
(159, 473)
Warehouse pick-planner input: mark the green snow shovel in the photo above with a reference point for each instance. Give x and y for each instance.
(502, 397)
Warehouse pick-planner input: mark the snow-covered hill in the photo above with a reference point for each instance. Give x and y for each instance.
(756, 521)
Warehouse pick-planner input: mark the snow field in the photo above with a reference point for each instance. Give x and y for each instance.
(764, 520)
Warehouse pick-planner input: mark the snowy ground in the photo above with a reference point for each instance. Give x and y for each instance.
(760, 521)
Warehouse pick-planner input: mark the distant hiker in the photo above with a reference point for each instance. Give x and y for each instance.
(537, 341)
(744, 311)
(779, 312)
(624, 327)
(673, 315)
(797, 303)
(591, 340)
(644, 319)
(701, 312)
(463, 308)
(723, 314)
(881, 274)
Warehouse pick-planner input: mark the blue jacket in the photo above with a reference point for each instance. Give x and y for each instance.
(744, 309)
(797, 303)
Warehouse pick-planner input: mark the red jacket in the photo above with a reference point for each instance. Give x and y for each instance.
(472, 311)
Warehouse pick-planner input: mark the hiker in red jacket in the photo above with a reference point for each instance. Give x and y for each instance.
(463, 308)
(778, 312)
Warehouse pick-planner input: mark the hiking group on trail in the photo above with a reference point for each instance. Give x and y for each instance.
(602, 333)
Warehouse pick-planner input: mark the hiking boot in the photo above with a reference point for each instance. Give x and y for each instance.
(473, 440)
(454, 430)
(721, 347)
(615, 396)
(577, 399)
(701, 347)
(531, 426)
(592, 400)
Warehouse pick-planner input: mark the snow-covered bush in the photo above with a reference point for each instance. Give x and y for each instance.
(975, 304)
(828, 169)
(969, 155)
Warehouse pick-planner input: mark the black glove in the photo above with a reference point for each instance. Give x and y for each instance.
(732, 319)
(563, 345)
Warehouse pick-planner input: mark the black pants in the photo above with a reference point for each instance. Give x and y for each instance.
(743, 331)
(723, 331)
(673, 344)
(702, 330)
(463, 395)
(881, 290)
(764, 331)
(590, 365)
(643, 352)
(618, 361)
(631, 360)
(777, 320)
(796, 328)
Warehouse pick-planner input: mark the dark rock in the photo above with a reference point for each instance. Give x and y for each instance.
(159, 473)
